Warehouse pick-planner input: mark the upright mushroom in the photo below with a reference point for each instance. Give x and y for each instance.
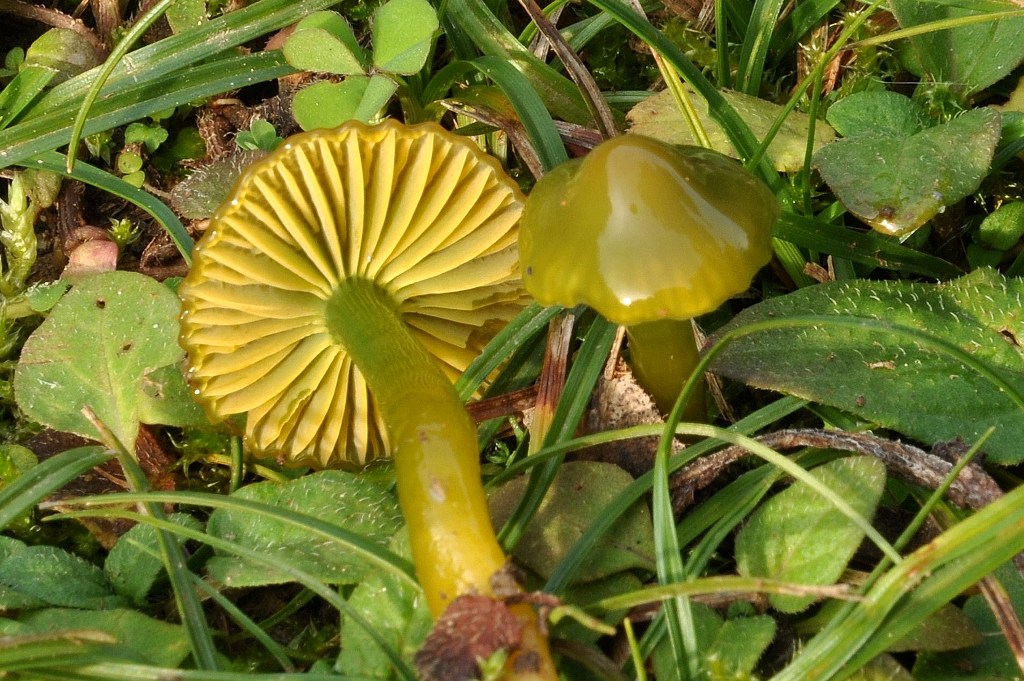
(355, 262)
(649, 235)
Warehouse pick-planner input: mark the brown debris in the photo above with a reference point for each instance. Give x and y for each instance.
(473, 628)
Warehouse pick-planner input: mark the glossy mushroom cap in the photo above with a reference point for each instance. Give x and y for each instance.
(421, 213)
(641, 230)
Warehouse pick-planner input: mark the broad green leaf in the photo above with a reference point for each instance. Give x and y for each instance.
(31, 576)
(324, 42)
(973, 56)
(134, 564)
(990, 659)
(337, 497)
(798, 536)
(403, 32)
(659, 117)
(578, 494)
(328, 105)
(738, 646)
(883, 377)
(399, 614)
(137, 636)
(947, 629)
(95, 350)
(896, 184)
(879, 113)
(166, 398)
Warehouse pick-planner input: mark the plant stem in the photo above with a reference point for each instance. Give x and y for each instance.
(437, 463)
(664, 354)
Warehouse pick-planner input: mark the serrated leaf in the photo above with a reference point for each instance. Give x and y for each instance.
(881, 113)
(889, 379)
(974, 55)
(579, 492)
(659, 117)
(399, 615)
(48, 575)
(94, 350)
(898, 184)
(337, 497)
(324, 42)
(403, 32)
(134, 563)
(799, 536)
(138, 637)
(738, 646)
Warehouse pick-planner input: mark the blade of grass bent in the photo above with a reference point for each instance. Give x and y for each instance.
(141, 25)
(46, 477)
(112, 184)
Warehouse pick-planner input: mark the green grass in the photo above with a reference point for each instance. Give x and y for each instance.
(892, 296)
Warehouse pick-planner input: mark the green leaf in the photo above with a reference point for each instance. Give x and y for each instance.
(403, 32)
(879, 113)
(580, 491)
(399, 614)
(185, 14)
(898, 184)
(659, 117)
(95, 350)
(22, 90)
(990, 659)
(866, 367)
(798, 536)
(738, 646)
(883, 668)
(166, 398)
(337, 497)
(328, 105)
(140, 637)
(1004, 227)
(947, 629)
(31, 576)
(324, 42)
(135, 564)
(974, 55)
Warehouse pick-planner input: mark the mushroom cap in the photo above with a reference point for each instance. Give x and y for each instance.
(641, 230)
(423, 213)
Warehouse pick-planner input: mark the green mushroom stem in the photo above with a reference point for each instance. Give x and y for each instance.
(437, 465)
(663, 356)
(434, 444)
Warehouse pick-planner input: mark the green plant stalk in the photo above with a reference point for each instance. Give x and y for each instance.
(664, 354)
(434, 446)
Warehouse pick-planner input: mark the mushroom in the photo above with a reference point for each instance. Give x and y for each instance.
(650, 235)
(357, 261)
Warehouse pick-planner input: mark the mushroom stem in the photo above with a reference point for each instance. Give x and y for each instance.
(664, 354)
(437, 464)
(435, 448)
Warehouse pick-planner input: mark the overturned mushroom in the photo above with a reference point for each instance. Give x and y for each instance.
(650, 236)
(365, 260)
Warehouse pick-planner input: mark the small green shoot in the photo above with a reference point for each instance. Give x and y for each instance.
(260, 136)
